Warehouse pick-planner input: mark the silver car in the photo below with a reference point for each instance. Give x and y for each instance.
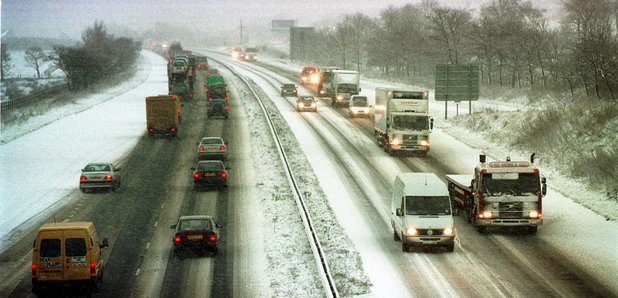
(100, 175)
(211, 148)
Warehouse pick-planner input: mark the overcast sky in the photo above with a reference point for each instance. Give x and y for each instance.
(69, 18)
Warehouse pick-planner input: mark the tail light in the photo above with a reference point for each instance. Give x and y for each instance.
(196, 176)
(226, 98)
(178, 110)
(223, 174)
(212, 237)
(173, 129)
(206, 65)
(108, 177)
(227, 108)
(210, 99)
(177, 239)
(201, 148)
(486, 214)
(33, 270)
(222, 148)
(83, 178)
(93, 268)
(206, 89)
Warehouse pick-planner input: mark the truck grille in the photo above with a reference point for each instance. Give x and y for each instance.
(434, 232)
(511, 210)
(410, 140)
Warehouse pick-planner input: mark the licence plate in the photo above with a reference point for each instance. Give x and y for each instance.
(95, 177)
(47, 276)
(195, 237)
(209, 174)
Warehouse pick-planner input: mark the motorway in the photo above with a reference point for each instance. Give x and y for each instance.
(342, 166)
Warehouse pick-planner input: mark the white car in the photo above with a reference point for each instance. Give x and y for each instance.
(101, 175)
(211, 148)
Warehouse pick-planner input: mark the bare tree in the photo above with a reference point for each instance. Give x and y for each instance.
(6, 65)
(35, 57)
(451, 27)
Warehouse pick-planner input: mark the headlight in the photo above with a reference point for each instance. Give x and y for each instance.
(301, 105)
(339, 97)
(534, 214)
(424, 143)
(411, 231)
(486, 214)
(395, 141)
(448, 232)
(304, 79)
(314, 79)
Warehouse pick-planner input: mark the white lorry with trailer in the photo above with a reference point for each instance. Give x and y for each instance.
(421, 213)
(500, 194)
(401, 121)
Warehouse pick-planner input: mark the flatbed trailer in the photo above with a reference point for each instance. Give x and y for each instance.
(462, 196)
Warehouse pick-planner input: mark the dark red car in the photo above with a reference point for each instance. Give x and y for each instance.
(196, 233)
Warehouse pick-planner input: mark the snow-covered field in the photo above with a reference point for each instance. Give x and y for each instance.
(586, 238)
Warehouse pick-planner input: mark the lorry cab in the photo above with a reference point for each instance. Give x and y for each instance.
(421, 213)
(67, 253)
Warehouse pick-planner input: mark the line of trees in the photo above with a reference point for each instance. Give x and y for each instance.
(99, 56)
(511, 40)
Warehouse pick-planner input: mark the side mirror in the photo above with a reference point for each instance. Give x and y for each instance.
(359, 89)
(105, 244)
(398, 212)
(173, 227)
(218, 225)
(431, 123)
(543, 186)
(117, 169)
(193, 169)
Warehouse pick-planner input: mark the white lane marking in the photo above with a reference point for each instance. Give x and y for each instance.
(65, 220)
(137, 272)
(147, 245)
(156, 223)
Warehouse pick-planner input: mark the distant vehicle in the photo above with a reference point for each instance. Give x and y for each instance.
(249, 54)
(344, 84)
(306, 103)
(288, 89)
(326, 80)
(67, 253)
(180, 66)
(234, 52)
(213, 71)
(421, 213)
(163, 115)
(209, 174)
(211, 148)
(196, 233)
(359, 106)
(218, 107)
(202, 62)
(97, 176)
(309, 75)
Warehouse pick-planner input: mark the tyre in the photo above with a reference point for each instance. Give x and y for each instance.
(404, 247)
(83, 190)
(532, 230)
(481, 229)
(396, 236)
(36, 288)
(450, 247)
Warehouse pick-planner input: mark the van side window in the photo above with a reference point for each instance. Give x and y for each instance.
(75, 247)
(50, 248)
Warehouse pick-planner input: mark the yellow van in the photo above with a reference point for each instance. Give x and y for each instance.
(67, 253)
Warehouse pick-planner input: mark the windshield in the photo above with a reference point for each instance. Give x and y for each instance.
(410, 122)
(511, 183)
(360, 102)
(346, 88)
(427, 206)
(212, 141)
(210, 166)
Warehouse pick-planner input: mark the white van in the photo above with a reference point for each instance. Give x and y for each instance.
(421, 213)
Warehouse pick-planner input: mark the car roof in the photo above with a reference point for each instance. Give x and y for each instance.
(289, 85)
(305, 97)
(212, 138)
(190, 217)
(209, 161)
(99, 163)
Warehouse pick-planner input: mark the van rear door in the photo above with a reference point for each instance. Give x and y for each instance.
(77, 262)
(50, 263)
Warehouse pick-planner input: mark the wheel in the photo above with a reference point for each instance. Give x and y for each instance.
(115, 187)
(83, 190)
(36, 288)
(404, 247)
(450, 247)
(481, 229)
(532, 230)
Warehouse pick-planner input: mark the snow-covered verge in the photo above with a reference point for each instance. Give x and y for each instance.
(19, 122)
(578, 140)
(63, 139)
(286, 257)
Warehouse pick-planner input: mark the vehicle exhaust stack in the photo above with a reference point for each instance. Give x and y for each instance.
(482, 157)
(532, 157)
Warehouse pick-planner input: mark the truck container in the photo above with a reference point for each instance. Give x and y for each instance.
(163, 115)
(500, 194)
(401, 121)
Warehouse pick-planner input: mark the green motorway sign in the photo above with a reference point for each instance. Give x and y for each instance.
(457, 82)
